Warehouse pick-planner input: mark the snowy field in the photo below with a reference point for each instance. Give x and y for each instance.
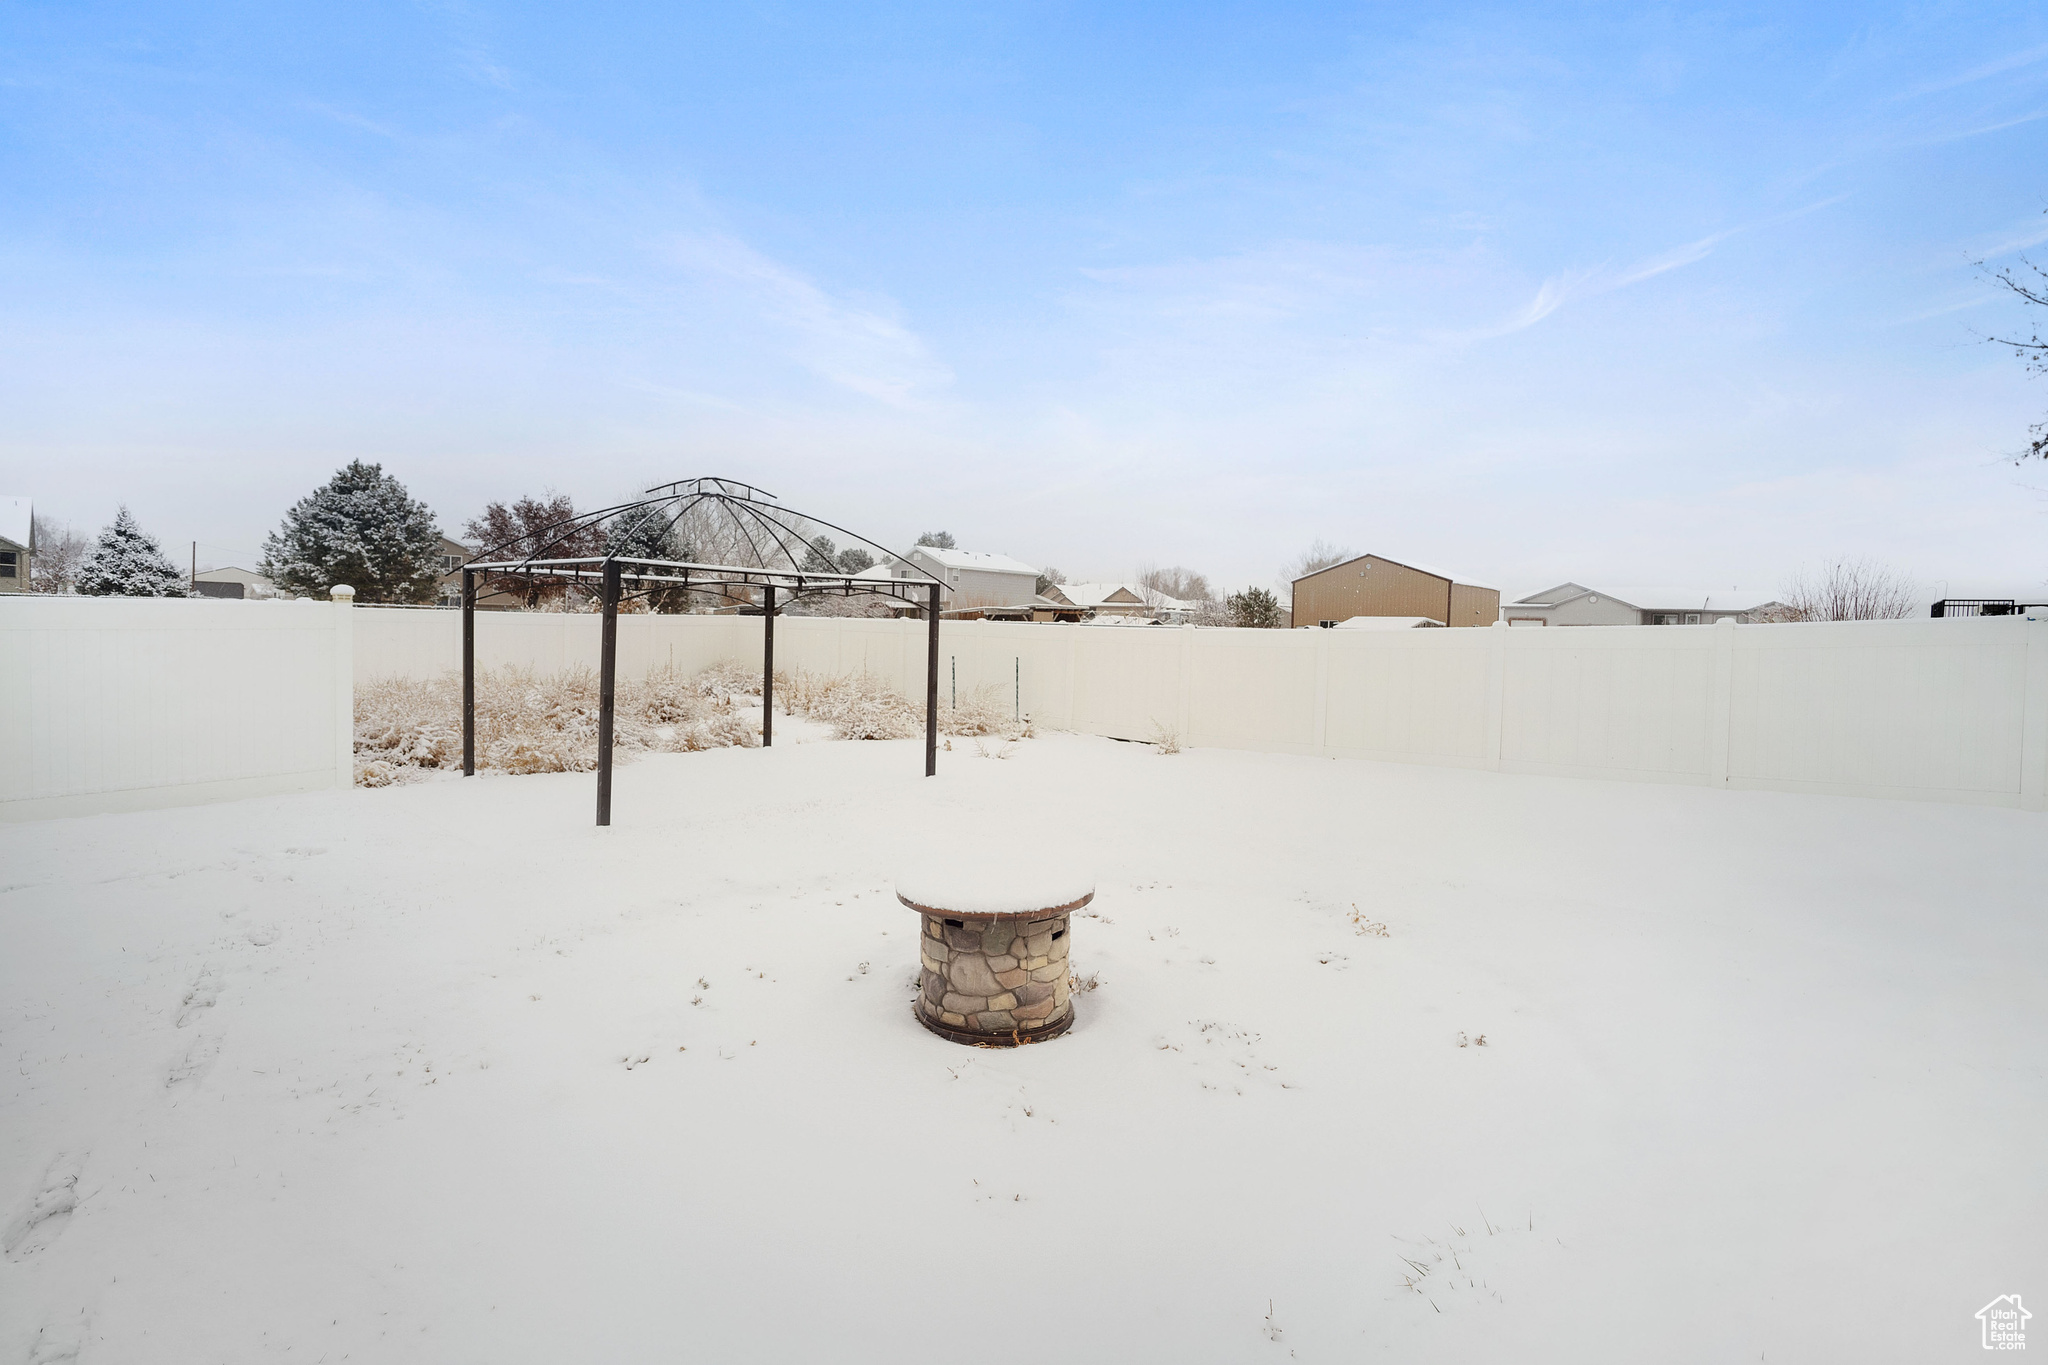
(441, 1073)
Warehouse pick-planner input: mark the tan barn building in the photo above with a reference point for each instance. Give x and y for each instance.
(1371, 585)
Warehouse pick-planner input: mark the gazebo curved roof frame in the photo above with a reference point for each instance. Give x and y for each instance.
(777, 551)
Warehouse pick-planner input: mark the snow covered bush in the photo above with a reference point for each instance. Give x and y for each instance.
(727, 678)
(126, 561)
(361, 528)
(862, 706)
(533, 723)
(858, 706)
(984, 711)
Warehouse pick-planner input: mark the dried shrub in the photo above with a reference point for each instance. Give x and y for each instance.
(727, 678)
(984, 711)
(533, 723)
(862, 706)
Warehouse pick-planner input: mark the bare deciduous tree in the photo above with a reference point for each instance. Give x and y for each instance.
(1851, 590)
(59, 551)
(2030, 282)
(1320, 554)
(1181, 584)
(532, 527)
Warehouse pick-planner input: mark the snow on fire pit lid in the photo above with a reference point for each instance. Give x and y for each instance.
(992, 886)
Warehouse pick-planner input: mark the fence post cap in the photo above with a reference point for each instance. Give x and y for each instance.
(1727, 621)
(343, 593)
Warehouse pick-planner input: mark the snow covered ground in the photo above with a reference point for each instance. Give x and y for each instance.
(442, 1073)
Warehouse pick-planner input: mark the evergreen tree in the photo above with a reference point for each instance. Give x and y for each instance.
(1255, 607)
(645, 534)
(853, 559)
(126, 561)
(819, 556)
(360, 528)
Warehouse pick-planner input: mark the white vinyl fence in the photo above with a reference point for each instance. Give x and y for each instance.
(118, 704)
(113, 704)
(1943, 710)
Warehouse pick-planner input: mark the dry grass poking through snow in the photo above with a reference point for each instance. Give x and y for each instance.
(862, 706)
(529, 723)
(533, 723)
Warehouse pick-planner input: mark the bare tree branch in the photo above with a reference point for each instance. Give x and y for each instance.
(1851, 590)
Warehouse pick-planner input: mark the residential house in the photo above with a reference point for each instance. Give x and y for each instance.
(17, 542)
(1373, 585)
(1574, 604)
(234, 583)
(975, 579)
(454, 554)
(448, 589)
(1100, 599)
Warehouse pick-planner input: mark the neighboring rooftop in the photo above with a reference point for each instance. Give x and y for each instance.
(1100, 594)
(1690, 598)
(974, 559)
(1388, 623)
(1414, 564)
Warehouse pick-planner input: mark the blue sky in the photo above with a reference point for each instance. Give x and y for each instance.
(1623, 294)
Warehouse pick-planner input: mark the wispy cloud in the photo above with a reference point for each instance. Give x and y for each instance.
(1999, 66)
(1587, 282)
(1999, 127)
(1572, 285)
(859, 347)
(480, 67)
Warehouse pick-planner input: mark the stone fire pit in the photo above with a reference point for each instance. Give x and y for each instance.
(994, 953)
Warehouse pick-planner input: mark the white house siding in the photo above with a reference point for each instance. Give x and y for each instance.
(976, 587)
(1584, 611)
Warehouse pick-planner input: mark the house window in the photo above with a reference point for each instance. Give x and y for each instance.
(448, 564)
(10, 564)
(1692, 618)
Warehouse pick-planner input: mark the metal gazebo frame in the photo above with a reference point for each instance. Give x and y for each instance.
(619, 577)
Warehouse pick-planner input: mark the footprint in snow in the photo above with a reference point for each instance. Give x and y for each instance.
(205, 989)
(41, 1218)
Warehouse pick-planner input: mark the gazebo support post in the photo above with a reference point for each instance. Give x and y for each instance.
(931, 686)
(607, 690)
(768, 666)
(468, 673)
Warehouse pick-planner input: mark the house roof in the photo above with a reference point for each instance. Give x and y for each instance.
(17, 519)
(1650, 598)
(1414, 564)
(974, 559)
(1690, 599)
(1550, 597)
(1100, 594)
(230, 574)
(1388, 623)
